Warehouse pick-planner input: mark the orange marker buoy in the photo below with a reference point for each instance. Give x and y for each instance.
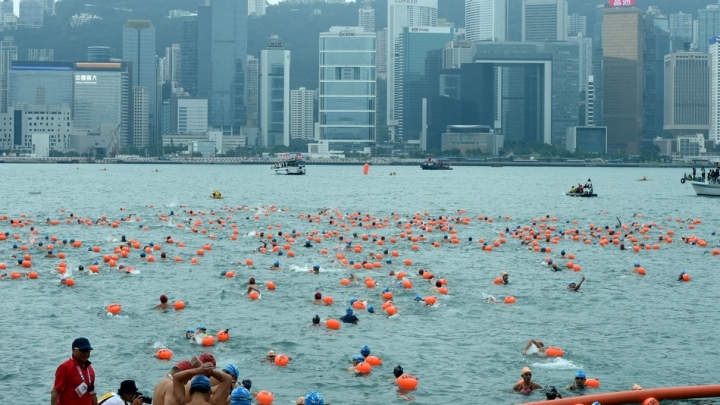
(253, 295)
(208, 341)
(685, 277)
(592, 382)
(370, 284)
(509, 299)
(358, 305)
(650, 401)
(114, 308)
(328, 300)
(554, 352)
(443, 290)
(498, 280)
(407, 382)
(164, 354)
(407, 284)
(366, 168)
(332, 324)
(641, 271)
(223, 335)
(408, 262)
(265, 398)
(281, 360)
(33, 274)
(387, 295)
(391, 310)
(69, 282)
(345, 281)
(373, 360)
(363, 368)
(270, 285)
(431, 300)
(15, 275)
(230, 274)
(179, 305)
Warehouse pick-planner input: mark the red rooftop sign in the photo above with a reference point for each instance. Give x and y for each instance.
(620, 3)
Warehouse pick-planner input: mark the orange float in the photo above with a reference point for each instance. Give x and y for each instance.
(345, 281)
(253, 295)
(430, 300)
(443, 290)
(407, 284)
(270, 285)
(498, 280)
(249, 262)
(358, 305)
(208, 341)
(407, 382)
(114, 308)
(33, 274)
(363, 368)
(391, 310)
(230, 274)
(332, 324)
(281, 360)
(592, 382)
(328, 300)
(373, 361)
(554, 351)
(164, 354)
(178, 305)
(69, 282)
(265, 398)
(509, 299)
(15, 275)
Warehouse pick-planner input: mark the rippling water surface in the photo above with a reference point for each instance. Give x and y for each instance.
(621, 328)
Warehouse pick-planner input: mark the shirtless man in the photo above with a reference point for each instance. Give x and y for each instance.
(200, 387)
(163, 394)
(163, 303)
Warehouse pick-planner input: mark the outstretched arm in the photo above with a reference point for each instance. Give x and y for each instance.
(527, 346)
(179, 381)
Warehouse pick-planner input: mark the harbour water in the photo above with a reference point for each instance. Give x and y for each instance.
(620, 327)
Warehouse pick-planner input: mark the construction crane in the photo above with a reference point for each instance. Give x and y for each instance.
(115, 150)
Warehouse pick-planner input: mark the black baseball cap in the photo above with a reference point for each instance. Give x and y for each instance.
(81, 343)
(127, 387)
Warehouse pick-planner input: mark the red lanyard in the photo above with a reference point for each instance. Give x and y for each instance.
(81, 373)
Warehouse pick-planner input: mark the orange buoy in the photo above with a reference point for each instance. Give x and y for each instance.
(408, 262)
(69, 282)
(373, 360)
(179, 305)
(685, 277)
(387, 295)
(554, 352)
(366, 168)
(407, 284)
(328, 300)
(345, 281)
(358, 305)
(254, 295)
(33, 274)
(431, 300)
(641, 271)
(509, 299)
(15, 275)
(26, 263)
(270, 285)
(265, 398)
(407, 382)
(400, 274)
(391, 310)
(650, 401)
(164, 354)
(208, 341)
(249, 262)
(94, 268)
(230, 274)
(370, 284)
(114, 308)
(363, 368)
(443, 290)
(281, 360)
(592, 382)
(332, 324)
(498, 280)
(223, 335)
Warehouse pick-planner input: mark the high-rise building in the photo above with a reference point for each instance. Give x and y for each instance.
(623, 78)
(577, 25)
(347, 99)
(589, 102)
(139, 48)
(366, 18)
(687, 93)
(48, 124)
(714, 45)
(102, 96)
(222, 59)
(253, 91)
(275, 94)
(31, 13)
(7, 8)
(656, 40)
(8, 54)
(417, 42)
(256, 8)
(401, 14)
(544, 20)
(708, 26)
(585, 60)
(49, 7)
(456, 53)
(189, 49)
(141, 111)
(98, 54)
(41, 83)
(173, 58)
(486, 20)
(42, 55)
(188, 115)
(302, 107)
(681, 26)
(597, 71)
(381, 54)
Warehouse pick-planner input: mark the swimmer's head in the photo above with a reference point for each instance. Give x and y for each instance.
(314, 398)
(418, 298)
(540, 344)
(240, 396)
(352, 300)
(163, 299)
(358, 358)
(247, 384)
(525, 370)
(365, 350)
(421, 271)
(318, 295)
(438, 283)
(371, 308)
(571, 284)
(316, 267)
(200, 384)
(163, 255)
(252, 280)
(398, 371)
(316, 320)
(271, 354)
(233, 370)
(580, 374)
(276, 264)
(551, 392)
(386, 290)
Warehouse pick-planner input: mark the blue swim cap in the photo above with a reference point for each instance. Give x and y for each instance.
(191, 331)
(349, 311)
(201, 326)
(386, 290)
(72, 240)
(47, 237)
(352, 300)
(233, 370)
(316, 266)
(682, 272)
(550, 261)
(240, 396)
(274, 240)
(49, 251)
(89, 249)
(580, 374)
(223, 272)
(371, 309)
(445, 236)
(142, 254)
(64, 241)
(359, 358)
(280, 253)
(276, 264)
(596, 403)
(418, 298)
(314, 398)
(388, 261)
(40, 243)
(562, 251)
(571, 283)
(637, 264)
(365, 350)
(152, 244)
(200, 381)
(352, 262)
(15, 246)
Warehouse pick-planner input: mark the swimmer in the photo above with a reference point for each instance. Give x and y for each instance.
(492, 299)
(190, 334)
(269, 358)
(252, 286)
(552, 393)
(316, 320)
(354, 278)
(313, 398)
(579, 384)
(553, 266)
(526, 386)
(315, 269)
(357, 359)
(540, 346)
(275, 266)
(573, 286)
(50, 254)
(307, 244)
(438, 286)
(163, 303)
(200, 333)
(349, 317)
(636, 387)
(318, 299)
(200, 387)
(504, 277)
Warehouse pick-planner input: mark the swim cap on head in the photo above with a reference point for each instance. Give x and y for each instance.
(371, 308)
(240, 396)
(359, 358)
(637, 264)
(562, 252)
(571, 283)
(418, 298)
(540, 343)
(233, 370)
(40, 243)
(318, 295)
(191, 331)
(142, 254)
(276, 264)
(388, 261)
(398, 371)
(316, 266)
(365, 350)
(385, 290)
(200, 383)
(352, 262)
(580, 374)
(352, 300)
(163, 298)
(596, 403)
(184, 365)
(349, 311)
(200, 327)
(207, 358)
(316, 319)
(525, 370)
(247, 384)
(314, 398)
(252, 280)
(223, 272)
(50, 252)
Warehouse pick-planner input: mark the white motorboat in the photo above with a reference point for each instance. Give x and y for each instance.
(705, 188)
(294, 166)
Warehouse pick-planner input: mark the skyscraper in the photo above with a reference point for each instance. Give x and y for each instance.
(302, 125)
(708, 26)
(597, 71)
(222, 59)
(401, 14)
(7, 8)
(139, 48)
(8, 54)
(381, 54)
(623, 78)
(141, 106)
(681, 26)
(577, 25)
(98, 54)
(253, 91)
(366, 18)
(188, 47)
(656, 39)
(687, 93)
(456, 53)
(347, 88)
(256, 8)
(544, 20)
(31, 13)
(714, 45)
(486, 20)
(275, 94)
(173, 56)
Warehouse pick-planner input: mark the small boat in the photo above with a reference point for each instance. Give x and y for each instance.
(581, 194)
(431, 164)
(706, 189)
(216, 195)
(294, 166)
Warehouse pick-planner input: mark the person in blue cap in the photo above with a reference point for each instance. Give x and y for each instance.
(315, 269)
(562, 253)
(275, 266)
(233, 371)
(579, 383)
(190, 334)
(240, 396)
(200, 386)
(200, 333)
(349, 317)
(572, 286)
(357, 359)
(552, 393)
(365, 350)
(313, 398)
(371, 308)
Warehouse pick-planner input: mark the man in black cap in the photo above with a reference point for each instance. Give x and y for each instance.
(75, 378)
(127, 395)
